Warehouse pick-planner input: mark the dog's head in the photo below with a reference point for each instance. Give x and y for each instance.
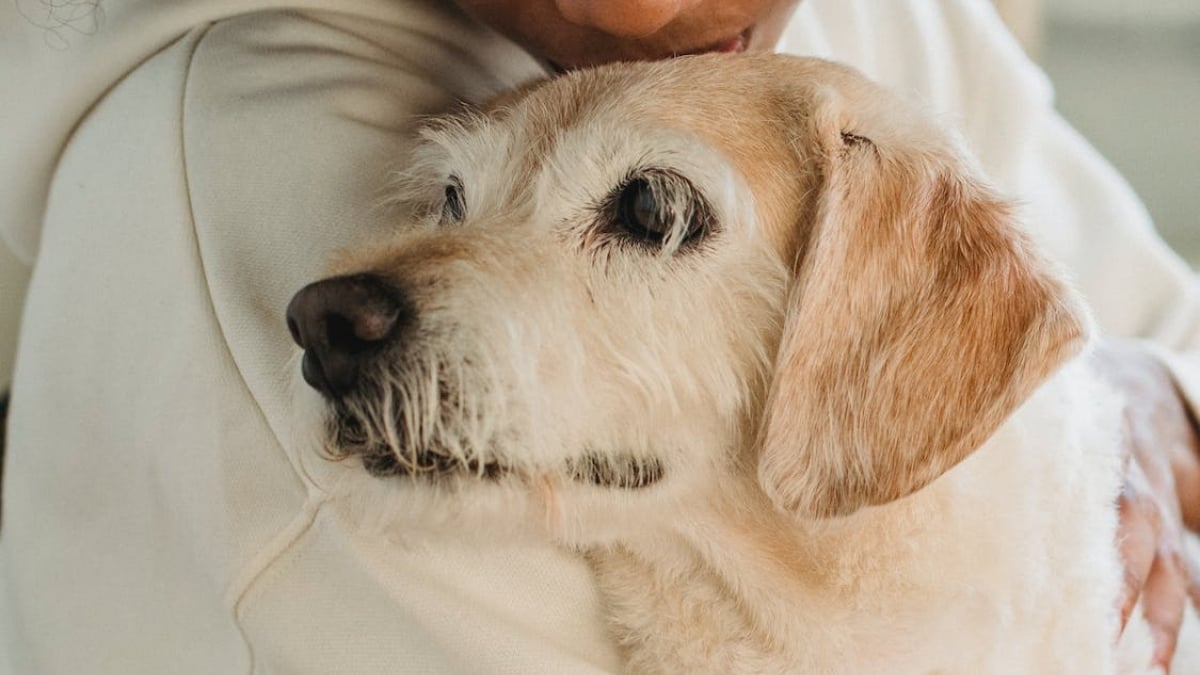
(635, 280)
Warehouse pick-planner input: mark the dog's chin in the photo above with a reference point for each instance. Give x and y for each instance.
(621, 471)
(347, 438)
(589, 467)
(382, 462)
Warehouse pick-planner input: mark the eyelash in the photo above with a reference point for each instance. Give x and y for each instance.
(454, 204)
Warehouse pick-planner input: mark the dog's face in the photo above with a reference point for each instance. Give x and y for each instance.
(618, 288)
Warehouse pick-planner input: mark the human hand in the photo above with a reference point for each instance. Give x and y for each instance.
(1160, 494)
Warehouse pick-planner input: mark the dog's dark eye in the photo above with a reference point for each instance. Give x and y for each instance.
(454, 208)
(641, 212)
(659, 206)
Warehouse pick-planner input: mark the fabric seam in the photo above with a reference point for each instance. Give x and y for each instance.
(239, 585)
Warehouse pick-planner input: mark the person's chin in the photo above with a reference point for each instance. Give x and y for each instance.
(561, 62)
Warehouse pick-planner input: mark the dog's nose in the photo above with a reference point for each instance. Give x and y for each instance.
(341, 323)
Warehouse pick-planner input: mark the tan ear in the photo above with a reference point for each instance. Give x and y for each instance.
(919, 319)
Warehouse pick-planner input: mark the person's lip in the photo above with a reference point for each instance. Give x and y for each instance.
(732, 45)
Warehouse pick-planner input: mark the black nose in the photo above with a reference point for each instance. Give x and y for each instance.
(342, 323)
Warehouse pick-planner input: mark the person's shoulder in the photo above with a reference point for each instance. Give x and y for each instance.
(907, 44)
(954, 57)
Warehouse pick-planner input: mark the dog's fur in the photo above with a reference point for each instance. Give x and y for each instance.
(845, 426)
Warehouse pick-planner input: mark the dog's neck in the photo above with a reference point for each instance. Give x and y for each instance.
(780, 576)
(1013, 543)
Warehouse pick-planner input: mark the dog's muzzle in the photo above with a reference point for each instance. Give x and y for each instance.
(343, 324)
(347, 327)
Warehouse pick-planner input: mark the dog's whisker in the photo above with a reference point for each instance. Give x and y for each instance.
(389, 422)
(404, 410)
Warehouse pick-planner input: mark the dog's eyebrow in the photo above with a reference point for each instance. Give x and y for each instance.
(855, 139)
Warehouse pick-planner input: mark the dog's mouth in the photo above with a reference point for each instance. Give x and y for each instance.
(349, 438)
(619, 471)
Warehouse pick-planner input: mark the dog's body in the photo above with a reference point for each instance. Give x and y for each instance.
(1005, 564)
(755, 336)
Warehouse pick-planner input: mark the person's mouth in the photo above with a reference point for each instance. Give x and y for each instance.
(731, 45)
(735, 44)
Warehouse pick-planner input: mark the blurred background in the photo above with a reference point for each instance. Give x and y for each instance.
(1127, 75)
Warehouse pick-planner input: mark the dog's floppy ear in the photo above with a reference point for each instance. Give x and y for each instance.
(919, 318)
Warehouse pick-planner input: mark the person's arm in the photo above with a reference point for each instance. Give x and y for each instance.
(1147, 302)
(164, 511)
(14, 277)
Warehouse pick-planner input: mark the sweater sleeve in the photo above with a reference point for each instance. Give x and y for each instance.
(1089, 216)
(14, 276)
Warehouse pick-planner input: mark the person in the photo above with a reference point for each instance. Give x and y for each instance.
(173, 171)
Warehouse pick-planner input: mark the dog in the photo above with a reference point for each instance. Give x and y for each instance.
(757, 338)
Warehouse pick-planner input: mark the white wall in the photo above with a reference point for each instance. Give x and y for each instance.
(1122, 11)
(1127, 75)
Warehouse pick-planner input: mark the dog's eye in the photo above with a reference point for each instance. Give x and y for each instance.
(660, 207)
(454, 209)
(641, 212)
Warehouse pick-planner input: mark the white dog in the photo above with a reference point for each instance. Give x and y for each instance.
(758, 338)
